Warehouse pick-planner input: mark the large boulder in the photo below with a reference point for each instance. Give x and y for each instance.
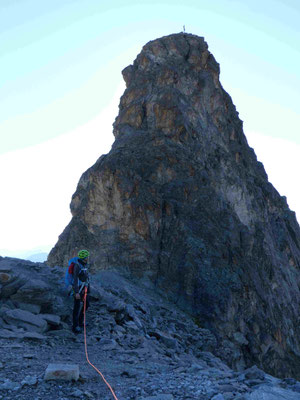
(34, 291)
(182, 200)
(33, 287)
(25, 319)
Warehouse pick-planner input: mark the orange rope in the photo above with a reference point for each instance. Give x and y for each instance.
(85, 346)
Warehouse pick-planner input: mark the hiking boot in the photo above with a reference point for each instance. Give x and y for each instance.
(76, 330)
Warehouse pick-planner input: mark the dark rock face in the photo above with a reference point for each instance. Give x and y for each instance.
(182, 200)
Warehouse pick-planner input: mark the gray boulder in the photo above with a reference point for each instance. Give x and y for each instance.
(33, 308)
(34, 291)
(66, 372)
(25, 319)
(272, 393)
(53, 320)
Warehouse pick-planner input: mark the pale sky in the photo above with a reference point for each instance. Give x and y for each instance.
(60, 84)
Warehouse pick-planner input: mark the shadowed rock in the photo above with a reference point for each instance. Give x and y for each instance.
(181, 199)
(25, 319)
(143, 342)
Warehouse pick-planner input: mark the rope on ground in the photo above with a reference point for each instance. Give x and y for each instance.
(85, 346)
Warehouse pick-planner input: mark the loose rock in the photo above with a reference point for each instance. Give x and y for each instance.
(66, 372)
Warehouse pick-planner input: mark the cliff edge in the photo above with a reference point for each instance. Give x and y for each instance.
(182, 200)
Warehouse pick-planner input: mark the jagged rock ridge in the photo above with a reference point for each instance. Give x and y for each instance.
(181, 199)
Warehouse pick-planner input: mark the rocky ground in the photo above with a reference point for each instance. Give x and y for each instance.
(145, 347)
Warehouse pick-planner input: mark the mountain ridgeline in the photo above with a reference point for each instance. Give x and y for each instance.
(181, 200)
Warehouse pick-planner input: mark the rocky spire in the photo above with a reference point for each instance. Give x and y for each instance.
(182, 200)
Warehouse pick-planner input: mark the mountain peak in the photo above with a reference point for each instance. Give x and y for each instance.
(181, 199)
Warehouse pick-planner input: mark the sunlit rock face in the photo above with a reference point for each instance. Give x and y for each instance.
(182, 199)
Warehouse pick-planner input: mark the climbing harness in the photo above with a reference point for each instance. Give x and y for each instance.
(85, 346)
(81, 287)
(71, 292)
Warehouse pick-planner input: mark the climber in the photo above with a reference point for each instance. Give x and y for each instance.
(78, 269)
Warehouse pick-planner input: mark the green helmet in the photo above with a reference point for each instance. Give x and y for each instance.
(83, 254)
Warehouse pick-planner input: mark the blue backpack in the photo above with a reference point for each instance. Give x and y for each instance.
(69, 277)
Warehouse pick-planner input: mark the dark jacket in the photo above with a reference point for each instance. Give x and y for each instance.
(80, 274)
